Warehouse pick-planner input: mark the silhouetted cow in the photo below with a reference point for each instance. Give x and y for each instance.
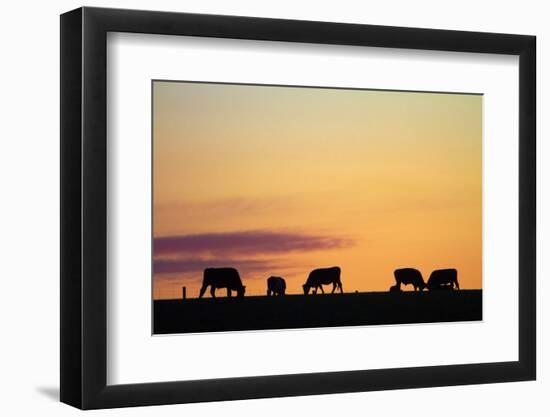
(395, 288)
(276, 286)
(407, 276)
(442, 279)
(322, 276)
(222, 278)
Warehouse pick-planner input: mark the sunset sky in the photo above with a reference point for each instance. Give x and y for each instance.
(282, 180)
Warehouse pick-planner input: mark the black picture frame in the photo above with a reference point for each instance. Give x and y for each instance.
(84, 207)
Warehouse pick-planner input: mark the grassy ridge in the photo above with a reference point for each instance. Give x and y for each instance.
(299, 311)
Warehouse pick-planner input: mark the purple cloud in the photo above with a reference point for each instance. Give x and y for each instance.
(170, 266)
(245, 243)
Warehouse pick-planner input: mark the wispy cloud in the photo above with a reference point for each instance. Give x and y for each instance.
(245, 243)
(171, 266)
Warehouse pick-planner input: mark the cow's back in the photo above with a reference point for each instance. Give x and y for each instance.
(324, 275)
(276, 282)
(408, 276)
(222, 277)
(442, 276)
(276, 285)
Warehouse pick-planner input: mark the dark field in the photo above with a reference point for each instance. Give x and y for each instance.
(300, 311)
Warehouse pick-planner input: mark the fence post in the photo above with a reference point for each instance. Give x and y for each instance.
(183, 293)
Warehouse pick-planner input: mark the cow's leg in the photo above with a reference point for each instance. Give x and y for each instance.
(229, 292)
(203, 289)
(340, 286)
(333, 287)
(213, 291)
(321, 286)
(457, 286)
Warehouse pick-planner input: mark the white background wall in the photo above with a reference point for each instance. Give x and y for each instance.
(29, 226)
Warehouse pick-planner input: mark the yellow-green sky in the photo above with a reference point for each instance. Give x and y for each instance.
(281, 180)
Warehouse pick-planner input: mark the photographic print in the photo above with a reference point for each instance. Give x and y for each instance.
(280, 207)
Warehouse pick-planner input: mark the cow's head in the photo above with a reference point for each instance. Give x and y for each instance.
(306, 289)
(241, 291)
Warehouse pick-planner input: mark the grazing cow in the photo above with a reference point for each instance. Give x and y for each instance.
(395, 288)
(276, 286)
(443, 279)
(222, 278)
(407, 276)
(321, 276)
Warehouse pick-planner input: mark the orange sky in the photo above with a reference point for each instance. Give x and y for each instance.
(281, 180)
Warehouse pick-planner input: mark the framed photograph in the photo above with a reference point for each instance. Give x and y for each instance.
(257, 207)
